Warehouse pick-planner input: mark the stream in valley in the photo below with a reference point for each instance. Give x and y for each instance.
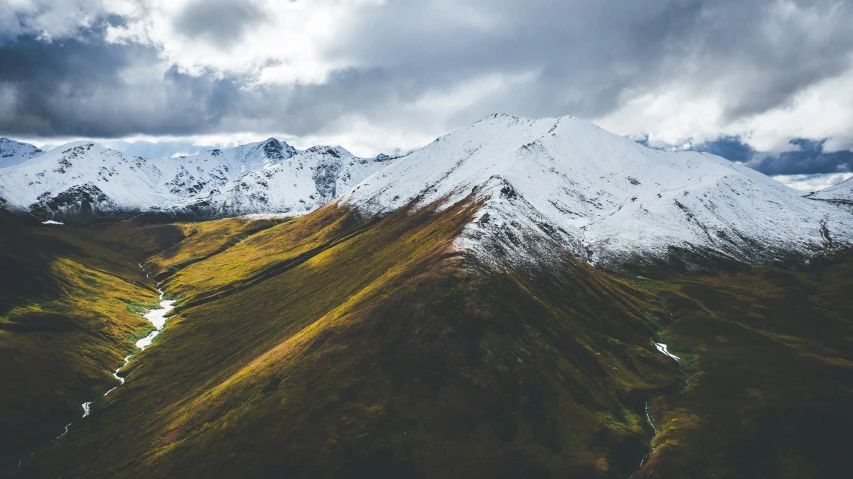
(157, 318)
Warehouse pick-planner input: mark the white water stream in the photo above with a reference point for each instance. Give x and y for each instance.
(665, 350)
(157, 317)
(662, 348)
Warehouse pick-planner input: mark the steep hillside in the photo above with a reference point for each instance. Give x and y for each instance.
(339, 345)
(67, 315)
(605, 198)
(378, 350)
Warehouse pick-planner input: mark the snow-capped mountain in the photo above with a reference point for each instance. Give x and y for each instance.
(308, 180)
(202, 174)
(842, 192)
(81, 177)
(14, 152)
(566, 183)
(269, 176)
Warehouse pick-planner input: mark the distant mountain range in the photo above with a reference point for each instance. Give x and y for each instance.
(542, 183)
(84, 178)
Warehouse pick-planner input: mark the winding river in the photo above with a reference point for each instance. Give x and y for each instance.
(157, 317)
(665, 350)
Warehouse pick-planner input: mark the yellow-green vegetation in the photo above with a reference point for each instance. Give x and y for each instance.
(335, 345)
(263, 255)
(68, 312)
(349, 347)
(203, 240)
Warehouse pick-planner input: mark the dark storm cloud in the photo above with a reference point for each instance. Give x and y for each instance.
(590, 52)
(808, 158)
(583, 53)
(81, 87)
(582, 57)
(221, 22)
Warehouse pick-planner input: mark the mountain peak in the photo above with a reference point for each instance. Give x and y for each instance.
(612, 197)
(277, 150)
(15, 152)
(335, 151)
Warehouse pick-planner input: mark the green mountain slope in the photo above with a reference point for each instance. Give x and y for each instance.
(335, 345)
(373, 347)
(68, 312)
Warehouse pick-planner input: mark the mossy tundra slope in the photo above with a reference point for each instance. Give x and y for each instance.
(338, 345)
(68, 312)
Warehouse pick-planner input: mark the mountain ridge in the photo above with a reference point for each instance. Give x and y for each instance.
(604, 197)
(83, 179)
(15, 152)
(549, 182)
(842, 192)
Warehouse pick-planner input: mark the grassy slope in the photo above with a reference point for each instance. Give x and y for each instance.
(374, 348)
(328, 346)
(202, 240)
(70, 305)
(67, 313)
(770, 355)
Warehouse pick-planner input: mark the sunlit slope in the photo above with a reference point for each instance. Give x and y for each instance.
(203, 240)
(382, 351)
(253, 258)
(68, 313)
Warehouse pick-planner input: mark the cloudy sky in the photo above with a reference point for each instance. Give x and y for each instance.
(765, 82)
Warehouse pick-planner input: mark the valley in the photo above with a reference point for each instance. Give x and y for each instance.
(520, 298)
(370, 239)
(335, 345)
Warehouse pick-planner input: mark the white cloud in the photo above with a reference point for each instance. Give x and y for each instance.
(285, 45)
(377, 75)
(809, 183)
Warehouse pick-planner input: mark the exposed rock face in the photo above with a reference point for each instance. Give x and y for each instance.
(276, 150)
(78, 201)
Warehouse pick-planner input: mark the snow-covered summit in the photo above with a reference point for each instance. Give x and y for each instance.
(564, 181)
(15, 152)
